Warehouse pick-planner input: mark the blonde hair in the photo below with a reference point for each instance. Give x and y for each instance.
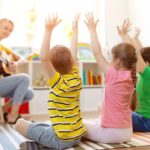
(7, 20)
(61, 59)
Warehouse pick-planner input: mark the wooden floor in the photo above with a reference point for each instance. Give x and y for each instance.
(137, 148)
(87, 115)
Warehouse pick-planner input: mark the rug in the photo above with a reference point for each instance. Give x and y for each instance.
(12, 140)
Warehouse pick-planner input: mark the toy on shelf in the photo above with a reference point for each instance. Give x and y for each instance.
(85, 53)
(33, 56)
(40, 81)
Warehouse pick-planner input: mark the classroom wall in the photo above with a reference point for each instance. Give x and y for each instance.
(136, 10)
(112, 14)
(139, 14)
(115, 12)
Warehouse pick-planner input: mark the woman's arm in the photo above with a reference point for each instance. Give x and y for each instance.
(96, 47)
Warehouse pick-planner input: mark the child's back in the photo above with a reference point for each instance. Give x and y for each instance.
(116, 112)
(63, 105)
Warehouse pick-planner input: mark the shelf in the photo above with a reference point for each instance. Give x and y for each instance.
(91, 75)
(93, 86)
(40, 88)
(91, 94)
(83, 61)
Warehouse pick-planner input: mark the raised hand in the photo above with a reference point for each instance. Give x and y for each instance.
(90, 21)
(124, 28)
(12, 66)
(137, 33)
(51, 22)
(75, 21)
(91, 24)
(74, 41)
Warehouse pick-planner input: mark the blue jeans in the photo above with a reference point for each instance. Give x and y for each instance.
(43, 133)
(140, 123)
(16, 87)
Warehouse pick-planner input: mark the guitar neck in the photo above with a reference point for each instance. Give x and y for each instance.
(4, 60)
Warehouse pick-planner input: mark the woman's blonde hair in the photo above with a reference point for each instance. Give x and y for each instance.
(7, 20)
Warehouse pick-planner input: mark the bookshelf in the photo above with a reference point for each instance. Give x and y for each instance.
(91, 74)
(91, 94)
(89, 71)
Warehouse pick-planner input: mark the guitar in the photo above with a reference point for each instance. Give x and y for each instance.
(4, 64)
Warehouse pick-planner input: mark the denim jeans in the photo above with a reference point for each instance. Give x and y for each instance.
(140, 123)
(43, 133)
(16, 87)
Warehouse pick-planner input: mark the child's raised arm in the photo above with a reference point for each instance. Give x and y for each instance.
(123, 33)
(136, 40)
(50, 23)
(74, 41)
(96, 47)
(141, 64)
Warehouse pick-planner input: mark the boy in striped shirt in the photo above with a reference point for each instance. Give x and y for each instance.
(66, 126)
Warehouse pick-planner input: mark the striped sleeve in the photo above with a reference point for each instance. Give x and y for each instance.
(54, 80)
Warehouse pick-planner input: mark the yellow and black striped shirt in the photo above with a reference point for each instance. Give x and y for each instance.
(63, 105)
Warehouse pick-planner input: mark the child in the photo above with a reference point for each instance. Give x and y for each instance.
(11, 85)
(66, 127)
(114, 124)
(141, 116)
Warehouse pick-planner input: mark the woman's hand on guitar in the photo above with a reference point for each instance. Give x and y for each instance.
(11, 66)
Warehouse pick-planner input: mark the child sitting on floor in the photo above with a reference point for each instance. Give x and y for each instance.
(66, 127)
(114, 124)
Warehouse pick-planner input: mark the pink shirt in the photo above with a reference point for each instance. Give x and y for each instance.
(116, 111)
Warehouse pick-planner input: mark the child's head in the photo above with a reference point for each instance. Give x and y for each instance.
(145, 52)
(6, 27)
(61, 59)
(124, 55)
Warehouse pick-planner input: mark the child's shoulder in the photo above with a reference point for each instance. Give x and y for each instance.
(110, 69)
(52, 81)
(75, 69)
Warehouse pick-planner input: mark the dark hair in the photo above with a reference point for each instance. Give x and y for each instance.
(61, 59)
(127, 55)
(145, 52)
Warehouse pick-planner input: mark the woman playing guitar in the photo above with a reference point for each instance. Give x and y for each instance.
(14, 86)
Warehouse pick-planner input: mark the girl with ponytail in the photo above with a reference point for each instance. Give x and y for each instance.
(115, 118)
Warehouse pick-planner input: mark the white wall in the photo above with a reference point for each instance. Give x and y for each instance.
(115, 12)
(139, 14)
(136, 10)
